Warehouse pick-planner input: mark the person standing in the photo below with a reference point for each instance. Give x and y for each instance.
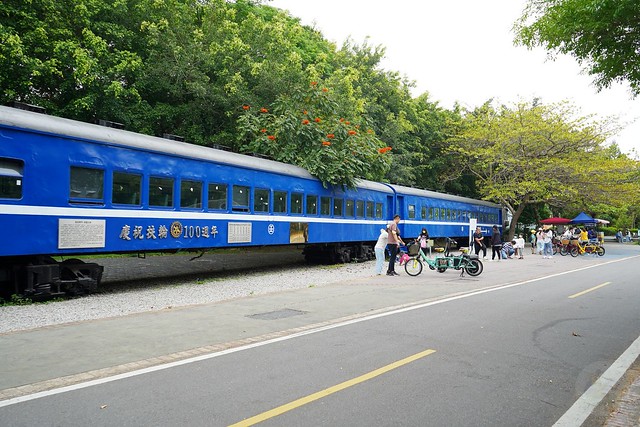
(540, 241)
(532, 239)
(394, 244)
(520, 246)
(381, 244)
(423, 240)
(547, 239)
(496, 243)
(478, 243)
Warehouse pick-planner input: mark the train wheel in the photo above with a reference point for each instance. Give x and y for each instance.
(474, 267)
(413, 267)
(600, 251)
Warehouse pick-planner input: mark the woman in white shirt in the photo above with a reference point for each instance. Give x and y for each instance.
(381, 244)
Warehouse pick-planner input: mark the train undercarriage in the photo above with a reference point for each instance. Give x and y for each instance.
(42, 277)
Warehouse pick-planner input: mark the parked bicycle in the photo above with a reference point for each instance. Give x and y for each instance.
(469, 263)
(587, 248)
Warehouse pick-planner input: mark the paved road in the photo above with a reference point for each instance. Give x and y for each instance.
(71, 355)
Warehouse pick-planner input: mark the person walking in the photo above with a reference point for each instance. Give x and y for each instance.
(381, 245)
(496, 243)
(394, 244)
(478, 243)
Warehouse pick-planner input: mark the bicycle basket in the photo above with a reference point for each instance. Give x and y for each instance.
(413, 249)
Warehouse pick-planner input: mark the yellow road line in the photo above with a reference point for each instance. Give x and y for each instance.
(328, 391)
(589, 290)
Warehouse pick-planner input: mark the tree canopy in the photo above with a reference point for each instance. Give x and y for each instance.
(249, 76)
(603, 35)
(530, 153)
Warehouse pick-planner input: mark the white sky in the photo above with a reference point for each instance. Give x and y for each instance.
(462, 50)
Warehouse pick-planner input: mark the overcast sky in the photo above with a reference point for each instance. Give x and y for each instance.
(462, 50)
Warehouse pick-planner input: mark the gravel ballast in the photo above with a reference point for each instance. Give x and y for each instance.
(151, 294)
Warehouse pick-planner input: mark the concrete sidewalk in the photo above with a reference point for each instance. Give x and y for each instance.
(57, 356)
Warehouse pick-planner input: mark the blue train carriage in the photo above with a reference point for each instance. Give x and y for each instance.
(444, 215)
(69, 188)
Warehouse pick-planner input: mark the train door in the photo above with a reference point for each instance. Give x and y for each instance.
(390, 207)
(400, 207)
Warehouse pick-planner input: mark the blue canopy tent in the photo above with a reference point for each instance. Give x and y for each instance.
(583, 218)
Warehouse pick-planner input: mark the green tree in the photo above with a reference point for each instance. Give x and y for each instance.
(74, 58)
(603, 35)
(532, 153)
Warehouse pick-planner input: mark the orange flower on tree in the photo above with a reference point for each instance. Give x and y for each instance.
(324, 89)
(352, 132)
(271, 137)
(326, 143)
(263, 130)
(314, 83)
(331, 136)
(245, 107)
(317, 120)
(304, 112)
(384, 150)
(305, 122)
(347, 123)
(264, 110)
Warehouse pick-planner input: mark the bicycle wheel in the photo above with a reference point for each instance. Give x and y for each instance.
(474, 267)
(574, 251)
(600, 251)
(555, 250)
(413, 267)
(563, 250)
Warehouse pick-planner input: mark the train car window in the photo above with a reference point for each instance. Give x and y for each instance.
(312, 205)
(360, 208)
(279, 202)
(370, 210)
(338, 205)
(86, 183)
(217, 196)
(190, 194)
(350, 212)
(423, 212)
(296, 203)
(11, 172)
(325, 206)
(412, 211)
(126, 189)
(378, 210)
(443, 213)
(260, 200)
(240, 198)
(436, 214)
(161, 192)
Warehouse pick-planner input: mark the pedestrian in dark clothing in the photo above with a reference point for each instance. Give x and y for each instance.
(478, 243)
(394, 244)
(496, 243)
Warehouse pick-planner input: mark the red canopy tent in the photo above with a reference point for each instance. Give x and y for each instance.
(555, 221)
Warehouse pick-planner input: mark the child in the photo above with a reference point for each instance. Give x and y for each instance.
(422, 239)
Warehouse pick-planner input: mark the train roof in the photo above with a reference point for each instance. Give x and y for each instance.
(443, 196)
(23, 119)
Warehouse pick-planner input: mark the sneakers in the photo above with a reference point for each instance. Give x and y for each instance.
(392, 273)
(485, 257)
